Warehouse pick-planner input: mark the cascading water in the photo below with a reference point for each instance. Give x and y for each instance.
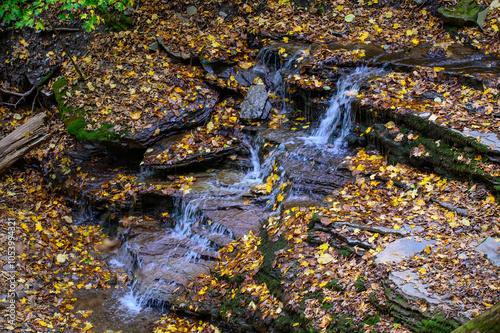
(338, 117)
(282, 70)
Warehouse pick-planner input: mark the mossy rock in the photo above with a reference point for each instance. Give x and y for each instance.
(447, 153)
(464, 12)
(417, 320)
(118, 21)
(75, 122)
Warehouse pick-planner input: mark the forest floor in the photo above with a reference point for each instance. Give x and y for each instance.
(330, 287)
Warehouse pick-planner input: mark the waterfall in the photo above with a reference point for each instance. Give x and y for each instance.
(282, 69)
(338, 117)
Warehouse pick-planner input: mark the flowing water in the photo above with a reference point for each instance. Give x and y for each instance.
(338, 118)
(221, 208)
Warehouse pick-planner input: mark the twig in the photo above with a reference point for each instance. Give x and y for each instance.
(34, 101)
(15, 93)
(63, 29)
(82, 77)
(22, 95)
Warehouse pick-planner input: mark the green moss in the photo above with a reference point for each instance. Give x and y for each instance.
(359, 284)
(346, 251)
(74, 119)
(447, 153)
(314, 219)
(420, 322)
(334, 285)
(117, 21)
(268, 274)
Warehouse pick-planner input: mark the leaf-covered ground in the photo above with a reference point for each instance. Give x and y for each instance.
(131, 87)
(326, 284)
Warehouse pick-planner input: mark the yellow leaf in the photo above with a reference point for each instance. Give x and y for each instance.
(61, 258)
(363, 35)
(326, 258)
(280, 198)
(422, 270)
(39, 227)
(438, 69)
(90, 86)
(135, 115)
(395, 26)
(409, 32)
(323, 247)
(396, 227)
(368, 130)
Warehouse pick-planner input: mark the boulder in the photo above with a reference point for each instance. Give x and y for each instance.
(256, 105)
(402, 248)
(464, 12)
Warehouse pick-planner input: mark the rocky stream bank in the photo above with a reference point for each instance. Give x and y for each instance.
(260, 178)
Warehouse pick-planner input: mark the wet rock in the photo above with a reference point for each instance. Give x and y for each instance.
(436, 52)
(402, 248)
(307, 177)
(300, 201)
(490, 247)
(239, 220)
(256, 105)
(229, 177)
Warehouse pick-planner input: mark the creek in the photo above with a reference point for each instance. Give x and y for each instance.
(173, 239)
(169, 240)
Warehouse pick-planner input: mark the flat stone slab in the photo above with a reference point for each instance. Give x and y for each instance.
(402, 248)
(412, 288)
(490, 140)
(490, 247)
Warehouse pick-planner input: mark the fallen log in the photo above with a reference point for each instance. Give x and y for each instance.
(22, 140)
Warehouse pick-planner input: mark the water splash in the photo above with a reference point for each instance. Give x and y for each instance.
(338, 117)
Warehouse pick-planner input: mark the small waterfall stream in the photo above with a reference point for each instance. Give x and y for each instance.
(338, 117)
(161, 258)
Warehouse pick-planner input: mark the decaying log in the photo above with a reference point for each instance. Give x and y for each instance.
(22, 140)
